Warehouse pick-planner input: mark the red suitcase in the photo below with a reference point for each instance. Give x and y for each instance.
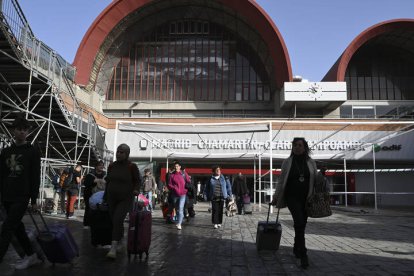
(139, 233)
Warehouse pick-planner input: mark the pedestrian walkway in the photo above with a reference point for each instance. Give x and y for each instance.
(347, 243)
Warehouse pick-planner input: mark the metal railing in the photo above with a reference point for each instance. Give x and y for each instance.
(44, 61)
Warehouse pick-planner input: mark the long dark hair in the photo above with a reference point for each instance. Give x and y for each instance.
(305, 144)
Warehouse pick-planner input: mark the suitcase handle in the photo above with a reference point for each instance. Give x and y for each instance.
(268, 213)
(35, 223)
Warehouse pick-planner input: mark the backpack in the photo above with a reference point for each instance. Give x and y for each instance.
(55, 181)
(66, 178)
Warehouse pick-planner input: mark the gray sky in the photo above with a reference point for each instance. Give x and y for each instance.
(316, 32)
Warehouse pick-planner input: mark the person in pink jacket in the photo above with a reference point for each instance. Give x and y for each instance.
(176, 184)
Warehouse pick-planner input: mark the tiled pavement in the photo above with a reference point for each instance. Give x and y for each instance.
(347, 243)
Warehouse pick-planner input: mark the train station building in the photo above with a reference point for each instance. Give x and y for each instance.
(208, 82)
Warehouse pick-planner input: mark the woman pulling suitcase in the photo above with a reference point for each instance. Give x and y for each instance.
(123, 182)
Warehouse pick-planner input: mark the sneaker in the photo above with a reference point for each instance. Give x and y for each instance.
(28, 261)
(178, 226)
(219, 225)
(120, 247)
(54, 213)
(215, 226)
(72, 217)
(111, 254)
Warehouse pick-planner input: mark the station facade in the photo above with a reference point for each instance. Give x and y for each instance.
(163, 76)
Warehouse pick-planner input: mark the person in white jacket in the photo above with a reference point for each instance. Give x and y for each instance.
(293, 191)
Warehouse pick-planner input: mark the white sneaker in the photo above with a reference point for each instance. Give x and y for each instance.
(178, 226)
(219, 225)
(28, 261)
(119, 247)
(112, 253)
(215, 226)
(54, 213)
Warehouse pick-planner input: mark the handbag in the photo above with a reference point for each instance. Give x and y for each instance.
(318, 205)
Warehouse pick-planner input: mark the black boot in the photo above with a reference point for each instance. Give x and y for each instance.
(304, 262)
(296, 251)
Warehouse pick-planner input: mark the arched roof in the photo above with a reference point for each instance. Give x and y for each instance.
(119, 9)
(338, 70)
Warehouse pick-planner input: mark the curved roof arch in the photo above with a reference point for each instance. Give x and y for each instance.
(338, 70)
(112, 15)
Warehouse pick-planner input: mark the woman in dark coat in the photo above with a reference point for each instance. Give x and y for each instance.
(239, 189)
(123, 182)
(294, 189)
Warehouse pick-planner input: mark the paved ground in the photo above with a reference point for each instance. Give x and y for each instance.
(349, 242)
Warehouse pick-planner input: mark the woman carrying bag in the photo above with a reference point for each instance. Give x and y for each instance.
(294, 190)
(217, 190)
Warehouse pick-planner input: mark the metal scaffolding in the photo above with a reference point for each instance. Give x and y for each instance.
(38, 82)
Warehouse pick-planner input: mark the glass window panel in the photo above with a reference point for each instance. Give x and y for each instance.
(354, 82)
(246, 92)
(238, 92)
(205, 90)
(266, 93)
(345, 111)
(386, 111)
(390, 90)
(186, 27)
(253, 91)
(368, 88)
(363, 112)
(179, 27)
(361, 94)
(260, 92)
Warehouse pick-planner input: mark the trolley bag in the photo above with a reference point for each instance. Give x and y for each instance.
(32, 235)
(139, 232)
(269, 233)
(164, 208)
(100, 225)
(247, 206)
(56, 242)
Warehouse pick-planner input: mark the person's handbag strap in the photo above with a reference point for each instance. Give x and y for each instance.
(268, 214)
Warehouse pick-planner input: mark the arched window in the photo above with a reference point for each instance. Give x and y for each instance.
(188, 60)
(380, 71)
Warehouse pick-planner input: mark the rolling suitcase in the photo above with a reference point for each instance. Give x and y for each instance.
(247, 206)
(269, 233)
(139, 232)
(56, 242)
(101, 226)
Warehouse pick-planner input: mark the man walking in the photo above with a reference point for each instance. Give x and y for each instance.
(19, 184)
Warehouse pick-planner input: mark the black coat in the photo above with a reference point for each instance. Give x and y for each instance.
(239, 186)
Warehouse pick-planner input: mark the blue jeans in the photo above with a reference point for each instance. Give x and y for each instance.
(178, 202)
(149, 196)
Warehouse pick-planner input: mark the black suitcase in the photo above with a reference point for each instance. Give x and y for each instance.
(101, 227)
(269, 233)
